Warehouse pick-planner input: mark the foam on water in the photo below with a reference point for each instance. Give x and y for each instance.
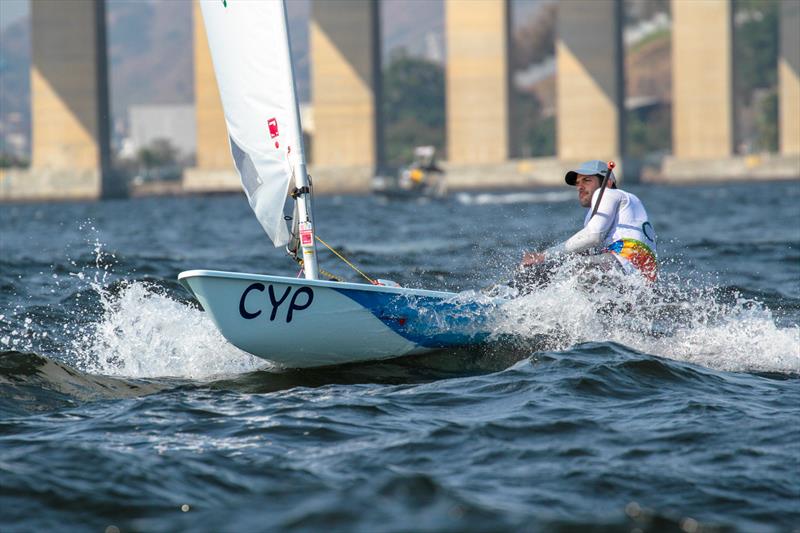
(144, 333)
(680, 322)
(137, 331)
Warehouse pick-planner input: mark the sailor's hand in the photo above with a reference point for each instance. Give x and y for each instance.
(532, 258)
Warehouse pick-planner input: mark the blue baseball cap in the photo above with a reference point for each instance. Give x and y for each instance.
(594, 167)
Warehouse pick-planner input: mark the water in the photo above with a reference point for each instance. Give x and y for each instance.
(122, 408)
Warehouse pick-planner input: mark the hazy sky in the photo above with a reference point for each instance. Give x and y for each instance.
(11, 11)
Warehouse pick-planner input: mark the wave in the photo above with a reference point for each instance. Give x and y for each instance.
(146, 333)
(714, 328)
(131, 329)
(146, 329)
(31, 382)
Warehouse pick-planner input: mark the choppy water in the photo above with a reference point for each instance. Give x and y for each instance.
(674, 410)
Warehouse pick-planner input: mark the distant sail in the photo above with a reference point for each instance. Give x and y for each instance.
(249, 44)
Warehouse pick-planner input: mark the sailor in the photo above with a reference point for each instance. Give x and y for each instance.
(425, 160)
(618, 236)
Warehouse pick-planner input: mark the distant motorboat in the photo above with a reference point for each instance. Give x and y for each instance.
(422, 178)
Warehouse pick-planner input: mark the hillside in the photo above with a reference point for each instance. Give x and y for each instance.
(150, 51)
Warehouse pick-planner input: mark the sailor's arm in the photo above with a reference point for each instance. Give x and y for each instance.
(590, 236)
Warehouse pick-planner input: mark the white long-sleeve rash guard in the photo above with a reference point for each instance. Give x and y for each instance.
(600, 226)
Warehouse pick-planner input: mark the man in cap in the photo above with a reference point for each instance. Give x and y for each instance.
(619, 234)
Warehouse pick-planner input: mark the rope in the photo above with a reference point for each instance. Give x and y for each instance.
(351, 265)
(321, 271)
(325, 272)
(307, 190)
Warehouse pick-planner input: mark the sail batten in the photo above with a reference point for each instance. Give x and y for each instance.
(249, 47)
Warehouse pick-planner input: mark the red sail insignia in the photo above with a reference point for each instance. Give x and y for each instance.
(273, 127)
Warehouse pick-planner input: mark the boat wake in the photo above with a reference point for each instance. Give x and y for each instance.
(146, 329)
(144, 332)
(122, 328)
(705, 325)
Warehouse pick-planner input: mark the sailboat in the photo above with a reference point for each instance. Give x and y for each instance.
(300, 322)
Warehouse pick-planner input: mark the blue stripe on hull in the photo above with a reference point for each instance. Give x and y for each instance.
(427, 321)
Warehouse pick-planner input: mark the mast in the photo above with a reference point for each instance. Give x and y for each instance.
(302, 194)
(249, 43)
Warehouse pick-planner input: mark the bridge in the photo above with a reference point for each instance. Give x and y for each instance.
(70, 103)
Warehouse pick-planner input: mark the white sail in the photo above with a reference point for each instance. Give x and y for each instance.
(252, 60)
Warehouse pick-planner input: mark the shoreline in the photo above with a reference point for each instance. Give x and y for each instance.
(26, 186)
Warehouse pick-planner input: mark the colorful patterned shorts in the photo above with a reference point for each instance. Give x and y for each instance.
(638, 254)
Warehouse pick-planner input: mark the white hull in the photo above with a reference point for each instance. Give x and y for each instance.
(304, 323)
